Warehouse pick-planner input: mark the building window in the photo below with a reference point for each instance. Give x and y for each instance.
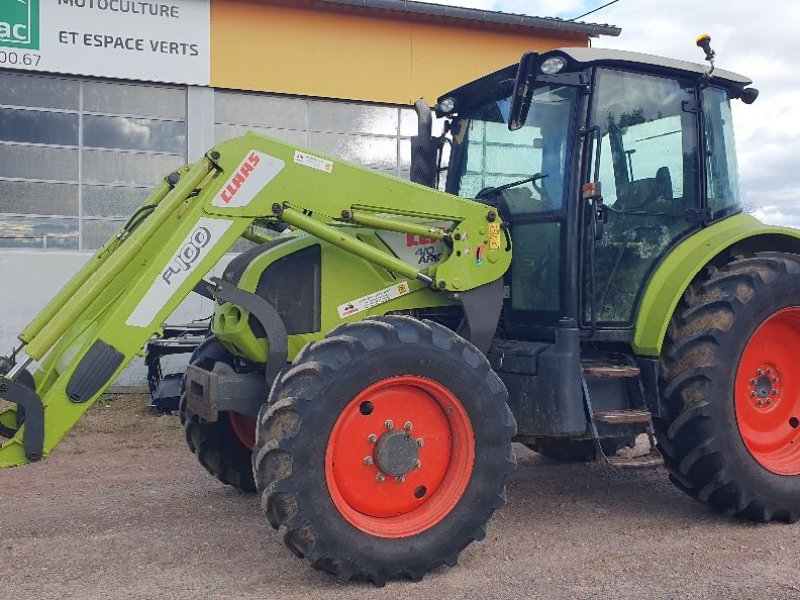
(370, 135)
(79, 156)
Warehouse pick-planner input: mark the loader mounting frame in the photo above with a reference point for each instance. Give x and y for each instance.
(107, 312)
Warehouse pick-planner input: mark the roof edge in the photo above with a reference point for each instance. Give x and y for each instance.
(411, 7)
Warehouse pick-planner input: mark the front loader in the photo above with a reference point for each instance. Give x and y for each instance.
(369, 366)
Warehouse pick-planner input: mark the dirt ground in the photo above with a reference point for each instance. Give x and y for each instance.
(123, 510)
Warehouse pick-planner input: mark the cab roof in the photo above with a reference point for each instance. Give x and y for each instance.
(606, 56)
(579, 58)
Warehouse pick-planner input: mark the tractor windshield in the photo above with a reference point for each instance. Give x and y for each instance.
(486, 154)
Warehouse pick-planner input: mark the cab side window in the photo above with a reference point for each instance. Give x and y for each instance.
(648, 172)
(722, 188)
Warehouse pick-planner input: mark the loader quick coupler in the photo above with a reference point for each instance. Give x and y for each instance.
(32, 419)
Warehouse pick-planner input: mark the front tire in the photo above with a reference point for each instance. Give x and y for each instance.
(732, 390)
(224, 447)
(340, 464)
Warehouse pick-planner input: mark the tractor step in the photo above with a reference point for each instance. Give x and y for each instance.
(619, 417)
(623, 417)
(602, 369)
(635, 462)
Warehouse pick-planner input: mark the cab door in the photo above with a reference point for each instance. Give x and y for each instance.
(533, 166)
(647, 127)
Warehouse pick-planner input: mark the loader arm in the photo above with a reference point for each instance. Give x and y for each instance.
(105, 314)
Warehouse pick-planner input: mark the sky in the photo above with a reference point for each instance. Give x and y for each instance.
(755, 38)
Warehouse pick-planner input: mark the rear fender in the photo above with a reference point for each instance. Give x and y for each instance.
(739, 234)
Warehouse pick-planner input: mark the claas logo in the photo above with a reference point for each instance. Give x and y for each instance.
(237, 181)
(19, 24)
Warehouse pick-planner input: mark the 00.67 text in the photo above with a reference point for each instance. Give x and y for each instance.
(11, 57)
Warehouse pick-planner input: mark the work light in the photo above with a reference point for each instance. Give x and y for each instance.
(553, 65)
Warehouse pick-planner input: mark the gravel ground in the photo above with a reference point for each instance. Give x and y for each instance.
(123, 510)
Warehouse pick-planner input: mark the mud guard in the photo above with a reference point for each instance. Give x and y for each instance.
(482, 307)
(269, 318)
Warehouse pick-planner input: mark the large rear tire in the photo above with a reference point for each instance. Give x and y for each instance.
(339, 459)
(224, 447)
(732, 389)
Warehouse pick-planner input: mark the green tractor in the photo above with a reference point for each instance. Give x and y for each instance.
(375, 354)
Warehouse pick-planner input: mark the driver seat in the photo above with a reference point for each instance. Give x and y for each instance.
(663, 187)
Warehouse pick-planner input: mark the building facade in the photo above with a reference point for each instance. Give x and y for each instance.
(99, 99)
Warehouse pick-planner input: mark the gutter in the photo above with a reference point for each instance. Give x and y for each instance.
(412, 7)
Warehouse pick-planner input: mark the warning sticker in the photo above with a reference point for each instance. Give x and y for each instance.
(366, 302)
(314, 162)
(494, 236)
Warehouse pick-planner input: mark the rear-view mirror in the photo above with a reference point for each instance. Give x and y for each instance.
(523, 90)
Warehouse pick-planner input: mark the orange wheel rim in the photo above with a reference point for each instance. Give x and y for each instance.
(399, 457)
(244, 427)
(767, 394)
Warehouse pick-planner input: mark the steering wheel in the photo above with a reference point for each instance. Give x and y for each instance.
(497, 196)
(544, 195)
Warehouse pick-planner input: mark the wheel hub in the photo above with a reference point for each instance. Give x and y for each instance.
(396, 453)
(765, 387)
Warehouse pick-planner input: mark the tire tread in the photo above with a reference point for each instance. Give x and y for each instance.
(706, 313)
(280, 493)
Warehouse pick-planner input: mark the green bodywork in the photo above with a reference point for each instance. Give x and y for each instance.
(137, 279)
(740, 232)
(343, 279)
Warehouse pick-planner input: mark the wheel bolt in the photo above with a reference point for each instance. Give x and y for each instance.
(372, 438)
(401, 478)
(774, 392)
(408, 426)
(753, 382)
(775, 380)
(417, 464)
(769, 401)
(389, 424)
(759, 372)
(753, 394)
(769, 371)
(380, 477)
(759, 403)
(420, 442)
(368, 460)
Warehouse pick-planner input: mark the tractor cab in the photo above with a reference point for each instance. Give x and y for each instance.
(601, 161)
